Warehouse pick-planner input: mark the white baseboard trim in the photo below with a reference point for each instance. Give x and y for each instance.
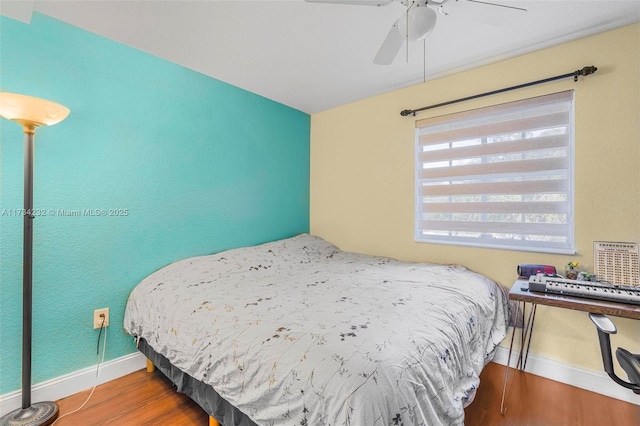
(594, 381)
(69, 384)
(72, 383)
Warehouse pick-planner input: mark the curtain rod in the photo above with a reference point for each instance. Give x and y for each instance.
(584, 72)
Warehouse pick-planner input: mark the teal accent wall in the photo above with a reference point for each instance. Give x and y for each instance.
(199, 165)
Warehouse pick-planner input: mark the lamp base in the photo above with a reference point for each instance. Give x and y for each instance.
(40, 413)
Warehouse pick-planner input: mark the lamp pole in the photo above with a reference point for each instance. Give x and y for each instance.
(27, 267)
(30, 113)
(39, 413)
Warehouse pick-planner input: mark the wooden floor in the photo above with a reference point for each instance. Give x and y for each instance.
(139, 398)
(537, 401)
(143, 398)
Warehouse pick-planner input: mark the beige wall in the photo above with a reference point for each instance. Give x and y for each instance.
(362, 178)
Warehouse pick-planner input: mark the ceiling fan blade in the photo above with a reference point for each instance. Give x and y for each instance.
(355, 2)
(484, 12)
(390, 46)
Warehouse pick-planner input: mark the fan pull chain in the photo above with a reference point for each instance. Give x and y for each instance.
(406, 34)
(424, 62)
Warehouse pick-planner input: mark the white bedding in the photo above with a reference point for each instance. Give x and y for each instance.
(297, 332)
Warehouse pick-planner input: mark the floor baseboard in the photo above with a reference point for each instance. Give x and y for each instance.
(69, 384)
(594, 381)
(72, 383)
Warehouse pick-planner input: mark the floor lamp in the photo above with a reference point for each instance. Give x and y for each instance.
(30, 113)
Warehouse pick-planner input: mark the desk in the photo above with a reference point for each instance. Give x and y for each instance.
(624, 310)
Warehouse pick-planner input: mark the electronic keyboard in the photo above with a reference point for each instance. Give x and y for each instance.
(588, 289)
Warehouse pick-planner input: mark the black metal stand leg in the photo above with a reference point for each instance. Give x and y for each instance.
(532, 318)
(503, 408)
(525, 344)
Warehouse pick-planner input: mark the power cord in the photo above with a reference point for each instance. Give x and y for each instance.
(99, 362)
(100, 333)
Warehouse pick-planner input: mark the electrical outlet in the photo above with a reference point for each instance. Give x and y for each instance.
(97, 317)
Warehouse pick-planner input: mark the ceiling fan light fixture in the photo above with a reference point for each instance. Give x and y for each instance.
(421, 22)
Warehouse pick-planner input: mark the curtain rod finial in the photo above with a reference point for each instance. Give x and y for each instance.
(407, 112)
(584, 72)
(588, 70)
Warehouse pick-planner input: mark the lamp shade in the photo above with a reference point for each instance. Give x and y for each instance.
(421, 21)
(31, 111)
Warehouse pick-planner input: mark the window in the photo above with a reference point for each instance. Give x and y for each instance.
(499, 177)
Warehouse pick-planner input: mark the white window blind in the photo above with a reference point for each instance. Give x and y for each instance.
(500, 176)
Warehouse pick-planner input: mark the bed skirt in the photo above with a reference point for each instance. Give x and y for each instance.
(201, 393)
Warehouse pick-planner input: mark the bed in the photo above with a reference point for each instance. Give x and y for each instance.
(298, 332)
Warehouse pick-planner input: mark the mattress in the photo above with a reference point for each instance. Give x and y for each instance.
(299, 332)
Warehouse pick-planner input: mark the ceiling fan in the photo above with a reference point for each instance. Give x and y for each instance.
(420, 19)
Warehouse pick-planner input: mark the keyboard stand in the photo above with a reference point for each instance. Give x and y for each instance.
(604, 307)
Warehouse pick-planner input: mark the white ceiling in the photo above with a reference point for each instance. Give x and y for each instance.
(314, 56)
